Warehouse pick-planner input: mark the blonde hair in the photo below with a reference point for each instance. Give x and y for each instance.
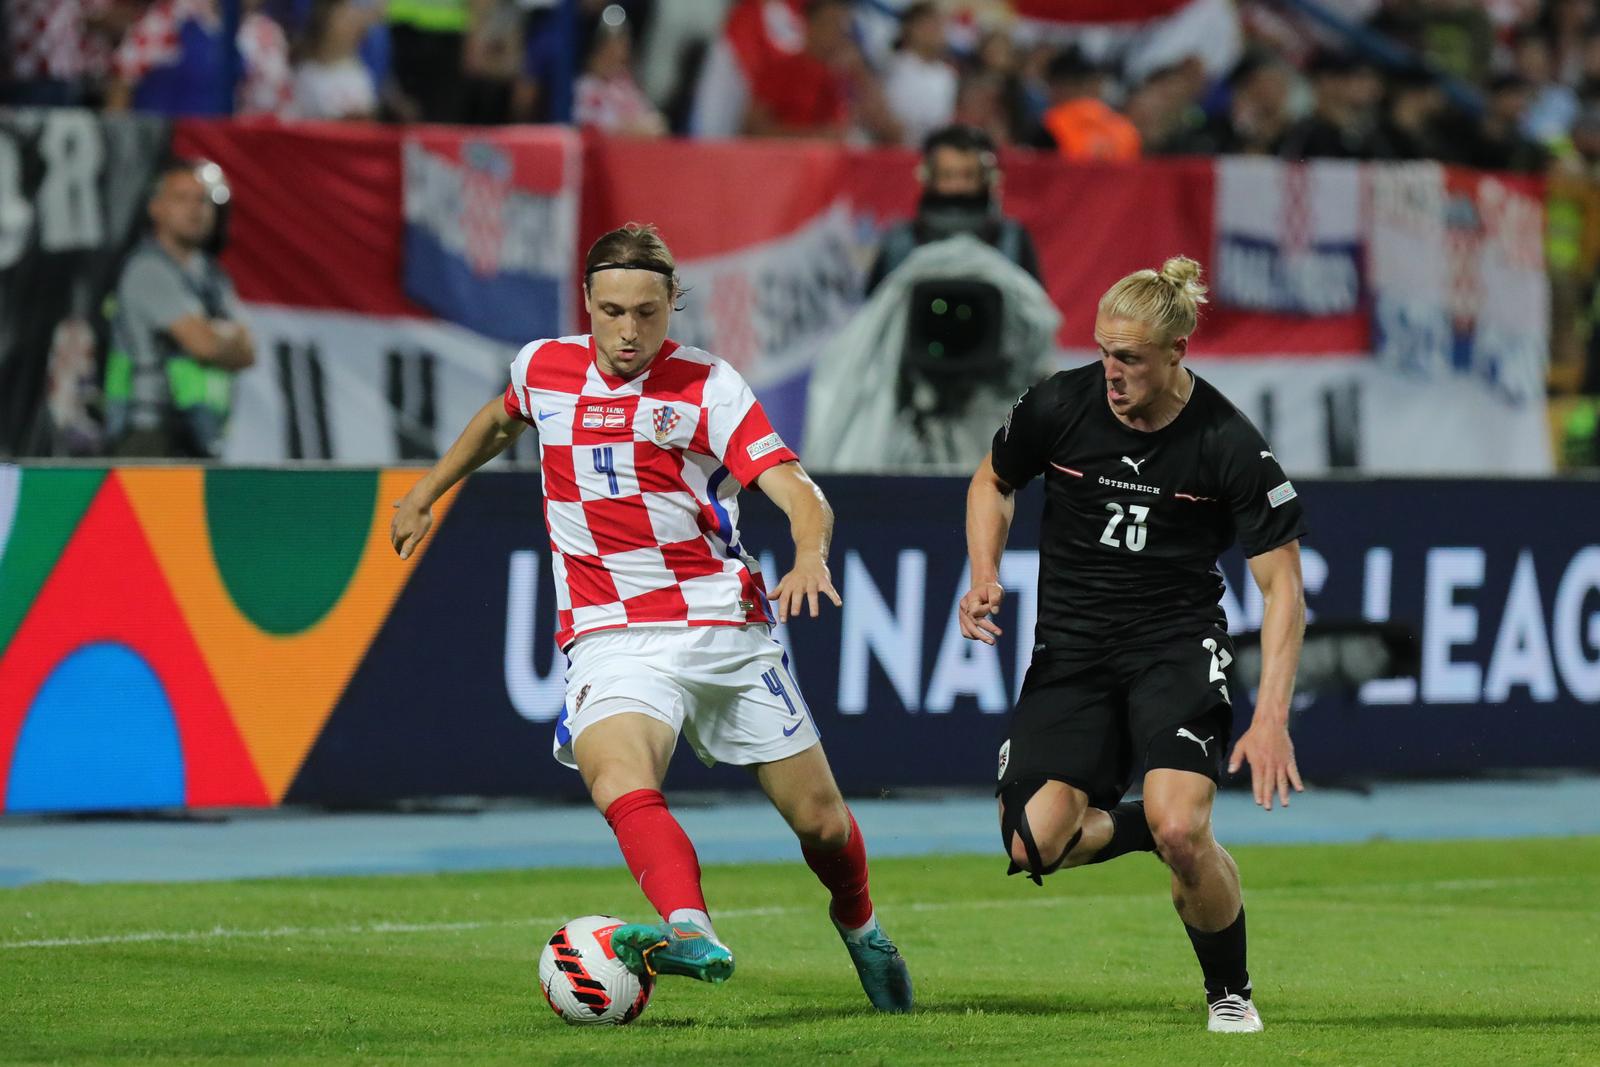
(1167, 300)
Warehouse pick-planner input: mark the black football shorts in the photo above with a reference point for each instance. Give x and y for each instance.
(1094, 722)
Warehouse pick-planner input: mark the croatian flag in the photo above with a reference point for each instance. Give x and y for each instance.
(490, 224)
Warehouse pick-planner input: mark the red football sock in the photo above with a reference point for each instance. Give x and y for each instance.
(844, 873)
(657, 851)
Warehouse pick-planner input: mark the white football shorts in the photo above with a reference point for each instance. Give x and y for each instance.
(728, 689)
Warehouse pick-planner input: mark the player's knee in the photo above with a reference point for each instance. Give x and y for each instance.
(1181, 837)
(1052, 829)
(612, 782)
(1020, 855)
(821, 823)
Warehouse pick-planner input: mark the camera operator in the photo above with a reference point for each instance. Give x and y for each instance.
(960, 178)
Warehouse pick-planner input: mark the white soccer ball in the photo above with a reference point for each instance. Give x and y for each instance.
(582, 979)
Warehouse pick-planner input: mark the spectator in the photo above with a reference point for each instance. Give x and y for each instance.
(332, 82)
(800, 94)
(1453, 36)
(1583, 373)
(981, 104)
(1572, 246)
(266, 82)
(996, 61)
(920, 83)
(491, 62)
(1554, 105)
(1079, 121)
(47, 59)
(674, 49)
(1591, 58)
(608, 99)
(960, 179)
(756, 32)
(1412, 112)
(1494, 141)
(1565, 24)
(1343, 121)
(107, 22)
(178, 333)
(427, 40)
(173, 61)
(1165, 109)
(1256, 115)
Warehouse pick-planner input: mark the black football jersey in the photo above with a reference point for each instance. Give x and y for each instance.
(1134, 521)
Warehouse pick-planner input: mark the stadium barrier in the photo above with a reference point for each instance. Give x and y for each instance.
(187, 637)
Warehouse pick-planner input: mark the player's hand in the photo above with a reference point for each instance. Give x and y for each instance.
(802, 586)
(1270, 753)
(410, 525)
(981, 602)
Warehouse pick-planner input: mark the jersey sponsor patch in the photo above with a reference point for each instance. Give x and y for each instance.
(1005, 757)
(770, 443)
(1282, 494)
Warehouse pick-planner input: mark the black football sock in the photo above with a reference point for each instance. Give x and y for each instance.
(1221, 956)
(1129, 832)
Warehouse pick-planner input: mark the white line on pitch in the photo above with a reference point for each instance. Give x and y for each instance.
(223, 933)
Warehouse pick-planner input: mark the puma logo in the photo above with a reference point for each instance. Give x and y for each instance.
(1134, 465)
(1268, 455)
(1183, 731)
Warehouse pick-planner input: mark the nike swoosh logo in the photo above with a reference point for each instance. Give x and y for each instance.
(789, 732)
(543, 414)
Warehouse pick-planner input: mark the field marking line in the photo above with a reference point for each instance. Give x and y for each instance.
(224, 933)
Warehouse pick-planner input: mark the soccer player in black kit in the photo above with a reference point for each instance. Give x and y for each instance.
(1149, 474)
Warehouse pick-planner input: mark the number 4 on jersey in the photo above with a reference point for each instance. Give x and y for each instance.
(1134, 536)
(605, 463)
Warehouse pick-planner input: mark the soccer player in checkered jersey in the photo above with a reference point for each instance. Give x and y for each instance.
(663, 615)
(1149, 474)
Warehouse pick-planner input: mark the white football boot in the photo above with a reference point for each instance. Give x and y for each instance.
(1233, 1014)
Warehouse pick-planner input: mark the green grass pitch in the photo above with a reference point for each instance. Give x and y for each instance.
(1448, 953)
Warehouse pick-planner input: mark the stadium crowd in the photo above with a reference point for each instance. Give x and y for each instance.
(1509, 85)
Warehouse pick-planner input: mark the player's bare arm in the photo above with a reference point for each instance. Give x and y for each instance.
(811, 526)
(218, 342)
(485, 437)
(1266, 745)
(991, 503)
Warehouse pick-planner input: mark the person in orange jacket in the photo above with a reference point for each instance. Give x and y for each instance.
(1084, 126)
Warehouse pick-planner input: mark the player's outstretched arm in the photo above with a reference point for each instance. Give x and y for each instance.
(811, 526)
(1266, 745)
(991, 503)
(485, 437)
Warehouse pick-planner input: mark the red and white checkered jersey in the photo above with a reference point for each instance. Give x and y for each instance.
(267, 85)
(266, 81)
(641, 483)
(153, 41)
(47, 38)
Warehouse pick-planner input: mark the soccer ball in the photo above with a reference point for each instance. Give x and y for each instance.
(583, 981)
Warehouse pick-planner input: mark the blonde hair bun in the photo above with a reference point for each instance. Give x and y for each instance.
(1168, 299)
(1184, 273)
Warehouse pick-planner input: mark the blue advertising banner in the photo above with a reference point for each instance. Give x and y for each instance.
(1499, 581)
